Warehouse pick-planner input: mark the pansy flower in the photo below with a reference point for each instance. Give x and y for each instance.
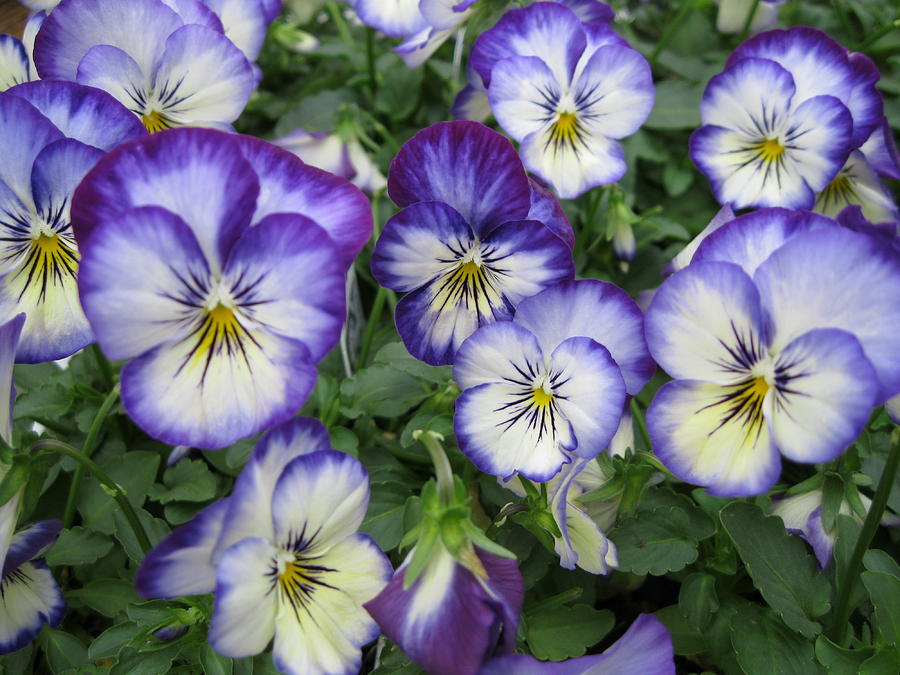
(467, 245)
(282, 555)
(858, 184)
(777, 346)
(245, 22)
(51, 134)
(169, 63)
(215, 263)
(549, 387)
(566, 91)
(645, 648)
(15, 66)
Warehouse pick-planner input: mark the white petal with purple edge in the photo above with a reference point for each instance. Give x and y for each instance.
(112, 70)
(857, 183)
(683, 259)
(524, 95)
(754, 94)
(9, 340)
(24, 133)
(418, 48)
(444, 14)
(31, 542)
(705, 322)
(14, 66)
(881, 151)
(245, 23)
(29, 598)
(495, 353)
(195, 11)
(395, 18)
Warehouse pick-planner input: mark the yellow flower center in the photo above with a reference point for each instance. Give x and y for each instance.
(770, 150)
(220, 328)
(155, 121)
(541, 398)
(565, 130)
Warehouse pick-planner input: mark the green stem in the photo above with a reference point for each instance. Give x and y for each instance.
(745, 31)
(87, 450)
(442, 469)
(669, 33)
(877, 35)
(867, 533)
(844, 18)
(641, 424)
(106, 371)
(370, 59)
(372, 326)
(338, 19)
(106, 480)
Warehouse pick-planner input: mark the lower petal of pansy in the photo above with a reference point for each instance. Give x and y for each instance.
(246, 604)
(208, 393)
(825, 389)
(715, 435)
(29, 598)
(858, 184)
(497, 353)
(584, 544)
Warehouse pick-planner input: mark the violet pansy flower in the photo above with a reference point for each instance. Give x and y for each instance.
(234, 252)
(767, 358)
(51, 134)
(467, 246)
(167, 62)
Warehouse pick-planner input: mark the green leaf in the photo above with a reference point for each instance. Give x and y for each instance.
(677, 106)
(837, 660)
(698, 600)
(398, 95)
(63, 650)
(440, 422)
(314, 113)
(884, 591)
(134, 471)
(213, 664)
(344, 440)
(189, 480)
(764, 646)
(110, 642)
(685, 639)
(885, 662)
(394, 354)
(132, 662)
(384, 519)
(15, 479)
(106, 596)
(155, 528)
(876, 560)
(380, 390)
(782, 570)
(78, 546)
(565, 632)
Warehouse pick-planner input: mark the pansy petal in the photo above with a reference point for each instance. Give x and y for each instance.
(245, 23)
(326, 636)
(646, 647)
(546, 30)
(289, 274)
(320, 499)
(181, 564)
(714, 435)
(190, 392)
(196, 162)
(24, 132)
(134, 277)
(496, 353)
(825, 279)
(706, 322)
(593, 309)
(113, 71)
(30, 543)
(466, 165)
(582, 541)
(57, 171)
(589, 391)
(881, 151)
(9, 342)
(443, 14)
(250, 506)
(395, 18)
(245, 608)
(684, 258)
(523, 95)
(591, 11)
(14, 64)
(289, 185)
(892, 407)
(29, 599)
(195, 11)
(471, 103)
(417, 243)
(826, 390)
(204, 76)
(418, 48)
(139, 27)
(857, 183)
(738, 98)
(546, 209)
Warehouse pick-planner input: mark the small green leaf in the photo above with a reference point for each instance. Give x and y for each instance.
(344, 440)
(110, 642)
(189, 480)
(764, 646)
(658, 541)
(213, 664)
(698, 600)
(63, 650)
(106, 596)
(838, 660)
(685, 639)
(886, 662)
(566, 632)
(381, 391)
(384, 519)
(677, 106)
(884, 591)
(78, 546)
(134, 471)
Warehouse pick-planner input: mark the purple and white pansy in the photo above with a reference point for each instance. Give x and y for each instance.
(216, 264)
(15, 66)
(549, 387)
(51, 135)
(767, 358)
(168, 62)
(282, 556)
(566, 91)
(467, 245)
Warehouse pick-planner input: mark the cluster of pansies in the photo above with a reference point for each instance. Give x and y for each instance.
(216, 268)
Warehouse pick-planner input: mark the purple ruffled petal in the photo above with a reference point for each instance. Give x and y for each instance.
(30, 543)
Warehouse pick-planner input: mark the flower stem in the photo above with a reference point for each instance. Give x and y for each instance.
(442, 469)
(371, 326)
(877, 35)
(867, 533)
(339, 22)
(87, 450)
(745, 31)
(641, 424)
(106, 480)
(686, 8)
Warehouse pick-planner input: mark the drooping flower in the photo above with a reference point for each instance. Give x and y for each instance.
(169, 63)
(549, 387)
(216, 263)
(467, 246)
(858, 184)
(566, 91)
(282, 555)
(51, 134)
(331, 153)
(645, 648)
(777, 346)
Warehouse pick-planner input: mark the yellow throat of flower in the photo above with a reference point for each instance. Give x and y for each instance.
(155, 121)
(541, 398)
(770, 150)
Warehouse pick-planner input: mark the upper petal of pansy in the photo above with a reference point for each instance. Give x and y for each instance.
(395, 18)
(443, 14)
(14, 64)
(597, 310)
(419, 243)
(748, 240)
(705, 322)
(9, 342)
(471, 103)
(290, 186)
(416, 49)
(250, 506)
(271, 8)
(837, 278)
(202, 77)
(139, 27)
(245, 607)
(195, 11)
(825, 391)
(83, 113)
(466, 165)
(327, 635)
(200, 174)
(752, 91)
(30, 543)
(24, 132)
(494, 353)
(881, 151)
(857, 183)
(715, 435)
(319, 149)
(137, 272)
(288, 275)
(30, 599)
(546, 30)
(684, 258)
(181, 564)
(319, 500)
(546, 209)
(112, 70)
(523, 95)
(590, 11)
(449, 620)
